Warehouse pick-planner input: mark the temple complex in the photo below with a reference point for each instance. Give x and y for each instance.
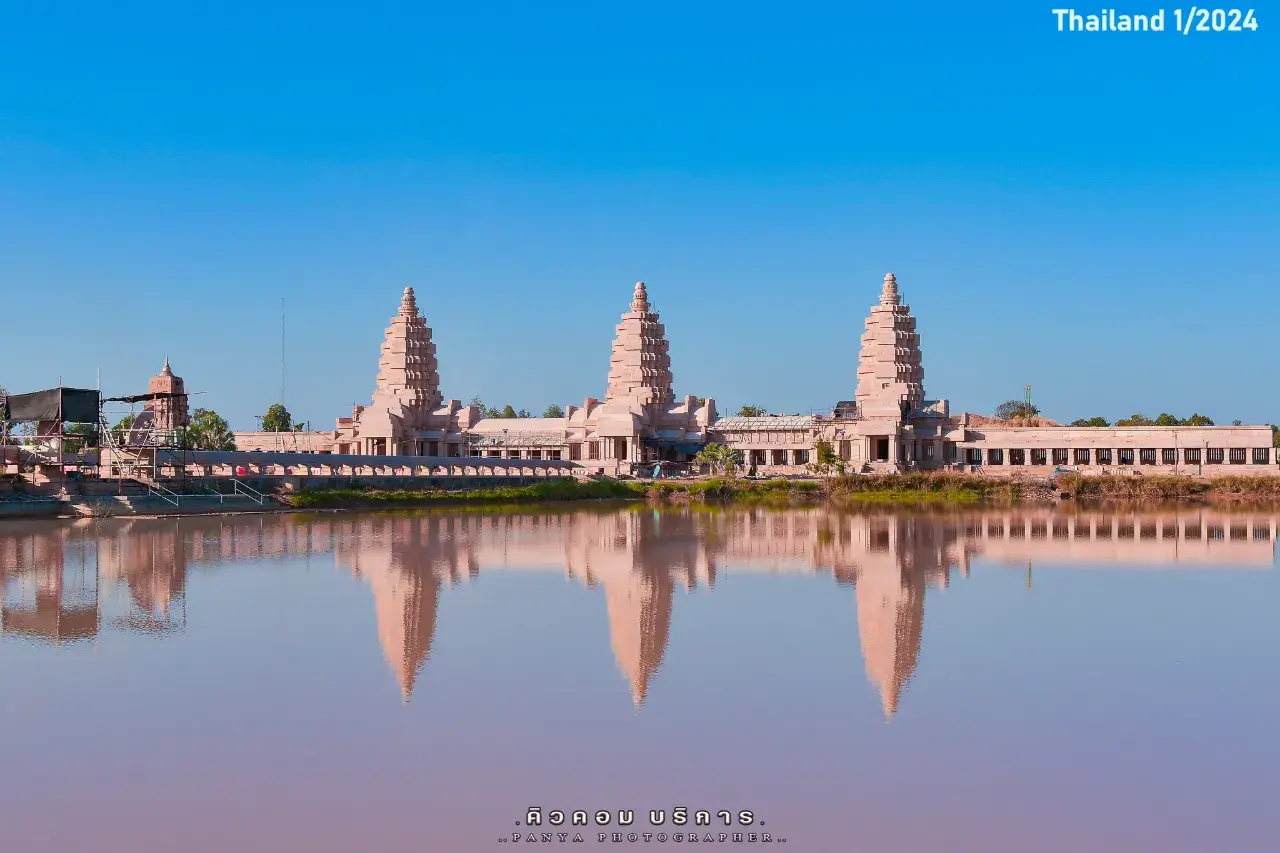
(888, 426)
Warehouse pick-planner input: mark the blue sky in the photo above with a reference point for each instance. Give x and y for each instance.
(1091, 214)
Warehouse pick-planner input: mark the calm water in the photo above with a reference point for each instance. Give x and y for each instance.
(989, 681)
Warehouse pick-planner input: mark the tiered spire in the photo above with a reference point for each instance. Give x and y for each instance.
(889, 369)
(640, 366)
(407, 370)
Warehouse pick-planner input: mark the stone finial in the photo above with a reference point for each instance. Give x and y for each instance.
(408, 304)
(889, 295)
(640, 299)
(165, 371)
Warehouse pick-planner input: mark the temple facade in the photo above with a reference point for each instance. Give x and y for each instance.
(889, 425)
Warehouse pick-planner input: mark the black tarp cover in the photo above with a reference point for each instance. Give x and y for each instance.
(70, 405)
(143, 398)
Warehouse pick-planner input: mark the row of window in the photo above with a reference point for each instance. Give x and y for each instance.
(777, 457)
(1103, 529)
(1122, 456)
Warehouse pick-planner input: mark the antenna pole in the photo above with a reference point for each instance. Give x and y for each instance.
(282, 350)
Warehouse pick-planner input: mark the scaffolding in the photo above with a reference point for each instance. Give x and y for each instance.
(130, 448)
(34, 434)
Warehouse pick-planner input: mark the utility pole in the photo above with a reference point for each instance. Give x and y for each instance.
(282, 350)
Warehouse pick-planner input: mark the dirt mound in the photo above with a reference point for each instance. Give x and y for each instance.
(996, 423)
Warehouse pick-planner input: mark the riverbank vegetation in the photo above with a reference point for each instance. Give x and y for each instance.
(850, 490)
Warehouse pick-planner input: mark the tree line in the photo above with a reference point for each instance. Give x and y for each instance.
(1015, 410)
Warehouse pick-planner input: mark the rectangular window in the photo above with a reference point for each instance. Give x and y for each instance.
(553, 454)
(846, 450)
(1147, 456)
(433, 448)
(1238, 455)
(757, 457)
(995, 457)
(1191, 456)
(535, 454)
(1017, 457)
(1060, 456)
(1039, 457)
(344, 448)
(513, 454)
(949, 451)
(1082, 456)
(779, 457)
(1169, 456)
(974, 455)
(593, 450)
(494, 454)
(1126, 456)
(802, 457)
(1261, 455)
(1213, 456)
(454, 452)
(575, 451)
(1103, 455)
(928, 450)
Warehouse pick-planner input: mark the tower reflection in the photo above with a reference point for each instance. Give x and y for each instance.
(67, 581)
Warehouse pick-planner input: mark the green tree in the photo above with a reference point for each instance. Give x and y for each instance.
(277, 419)
(523, 413)
(826, 460)
(553, 411)
(207, 431)
(1091, 422)
(1016, 409)
(79, 437)
(507, 412)
(752, 412)
(720, 458)
(1198, 419)
(1236, 422)
(120, 431)
(1275, 435)
(1135, 419)
(478, 403)
(1167, 419)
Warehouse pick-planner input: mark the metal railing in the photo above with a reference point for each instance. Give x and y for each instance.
(239, 488)
(164, 494)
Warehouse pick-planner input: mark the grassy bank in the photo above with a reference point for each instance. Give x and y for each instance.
(689, 491)
(908, 489)
(932, 488)
(1172, 488)
(555, 490)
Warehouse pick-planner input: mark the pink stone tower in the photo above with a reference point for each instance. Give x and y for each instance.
(640, 367)
(889, 370)
(407, 371)
(169, 412)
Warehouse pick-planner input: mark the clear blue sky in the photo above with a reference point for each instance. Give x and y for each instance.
(1093, 214)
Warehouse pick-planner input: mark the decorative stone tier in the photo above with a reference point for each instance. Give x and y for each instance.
(889, 365)
(640, 366)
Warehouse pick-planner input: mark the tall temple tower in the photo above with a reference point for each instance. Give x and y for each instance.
(640, 366)
(169, 413)
(889, 368)
(407, 370)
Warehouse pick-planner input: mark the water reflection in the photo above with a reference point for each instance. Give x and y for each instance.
(69, 581)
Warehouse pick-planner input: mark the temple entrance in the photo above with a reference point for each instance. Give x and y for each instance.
(880, 449)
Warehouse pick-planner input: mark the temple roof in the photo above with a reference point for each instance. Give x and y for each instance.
(763, 423)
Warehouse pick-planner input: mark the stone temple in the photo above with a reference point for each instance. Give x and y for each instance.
(889, 425)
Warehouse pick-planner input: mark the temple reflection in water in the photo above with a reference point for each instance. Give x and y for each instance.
(70, 581)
